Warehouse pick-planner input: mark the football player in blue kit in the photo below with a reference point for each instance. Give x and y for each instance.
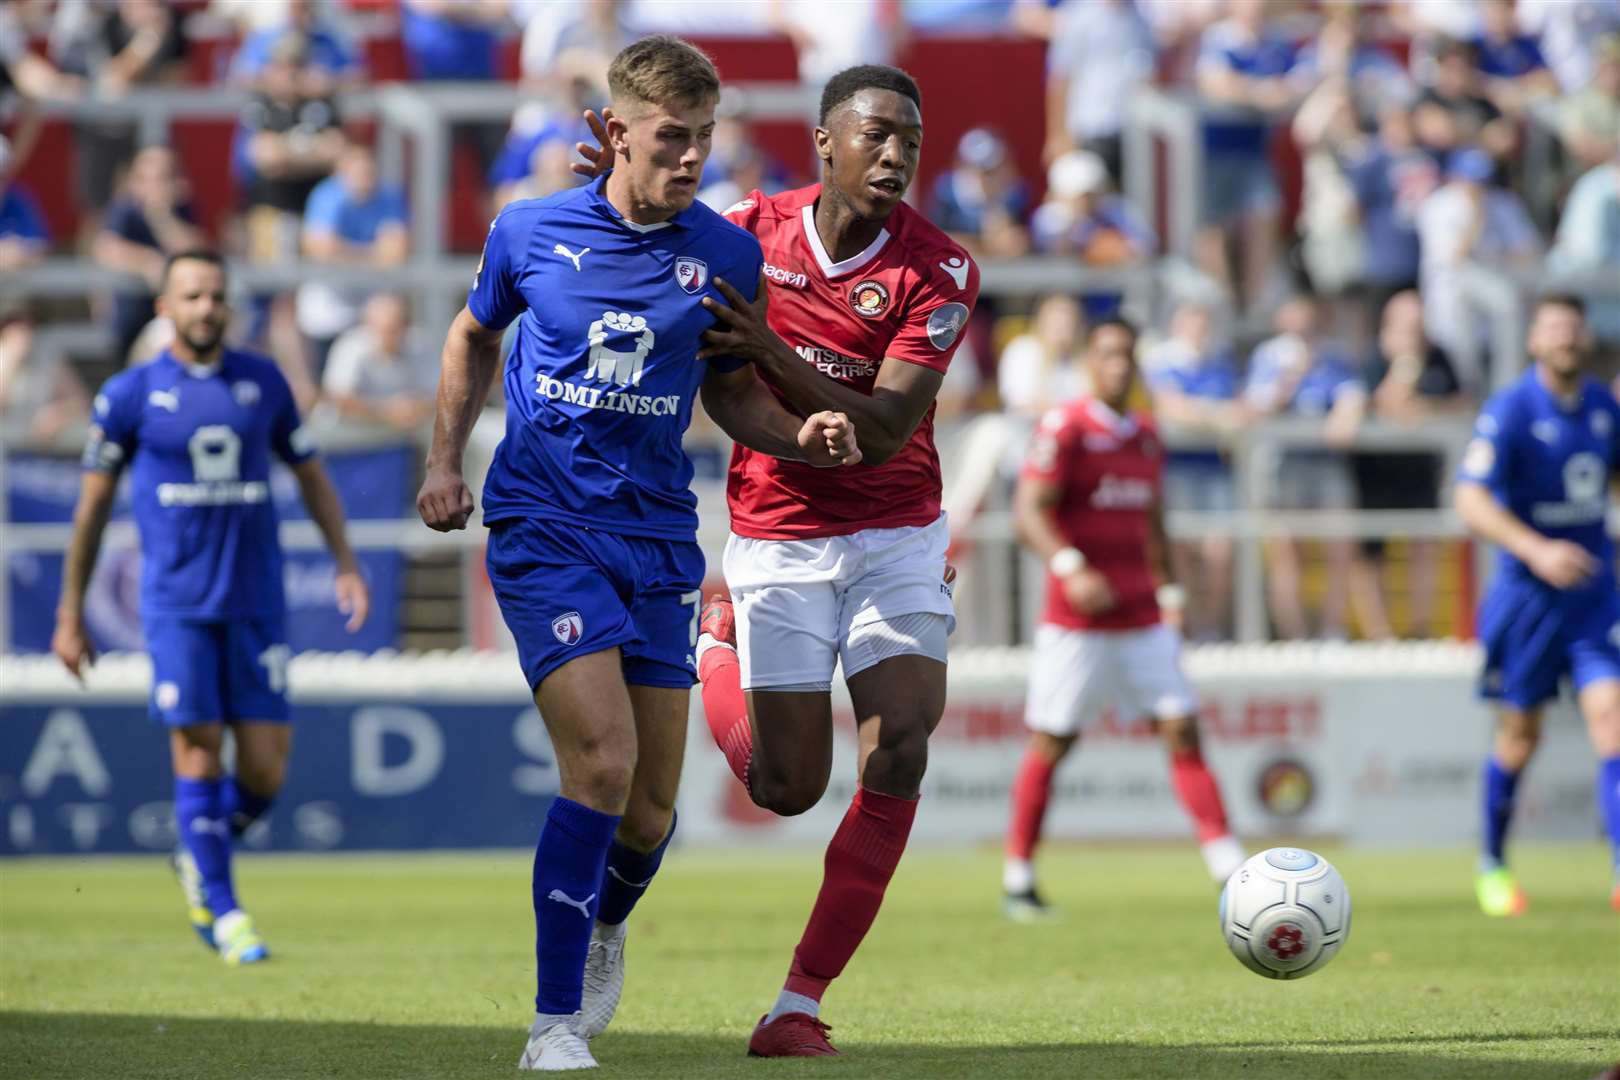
(1537, 481)
(592, 549)
(197, 428)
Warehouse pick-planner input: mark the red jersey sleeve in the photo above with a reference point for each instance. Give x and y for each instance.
(744, 213)
(938, 312)
(1051, 448)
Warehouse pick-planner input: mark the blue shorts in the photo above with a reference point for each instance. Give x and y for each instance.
(217, 672)
(569, 590)
(1535, 635)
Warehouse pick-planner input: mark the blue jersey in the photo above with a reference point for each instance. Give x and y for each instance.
(1551, 465)
(198, 442)
(601, 380)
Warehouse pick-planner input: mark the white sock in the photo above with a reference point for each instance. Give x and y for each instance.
(1223, 855)
(542, 1021)
(707, 642)
(1017, 875)
(608, 931)
(789, 1002)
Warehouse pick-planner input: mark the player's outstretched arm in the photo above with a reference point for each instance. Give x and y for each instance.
(71, 641)
(472, 355)
(326, 510)
(747, 411)
(885, 418)
(1560, 563)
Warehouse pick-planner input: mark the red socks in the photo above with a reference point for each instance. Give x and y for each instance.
(860, 861)
(1195, 787)
(726, 709)
(1031, 789)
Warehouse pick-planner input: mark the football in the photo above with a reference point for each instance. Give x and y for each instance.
(1285, 913)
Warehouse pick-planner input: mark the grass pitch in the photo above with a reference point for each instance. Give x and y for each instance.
(421, 966)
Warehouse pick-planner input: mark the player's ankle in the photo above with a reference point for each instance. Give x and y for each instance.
(789, 1002)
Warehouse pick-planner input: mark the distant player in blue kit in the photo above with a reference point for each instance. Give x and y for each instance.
(1537, 481)
(592, 547)
(197, 428)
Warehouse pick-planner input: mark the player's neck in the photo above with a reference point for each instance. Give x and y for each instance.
(844, 233)
(192, 358)
(1564, 387)
(622, 196)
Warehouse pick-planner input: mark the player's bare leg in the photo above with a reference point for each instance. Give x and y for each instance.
(898, 702)
(1201, 796)
(588, 715)
(1518, 731)
(1600, 705)
(1031, 792)
(263, 749)
(638, 846)
(203, 860)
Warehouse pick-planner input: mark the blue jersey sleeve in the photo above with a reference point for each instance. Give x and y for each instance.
(494, 298)
(291, 442)
(745, 279)
(1490, 451)
(114, 423)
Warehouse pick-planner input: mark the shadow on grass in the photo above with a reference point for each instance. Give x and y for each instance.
(49, 1046)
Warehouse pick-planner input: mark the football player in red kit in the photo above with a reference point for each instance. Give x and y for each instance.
(864, 304)
(1089, 504)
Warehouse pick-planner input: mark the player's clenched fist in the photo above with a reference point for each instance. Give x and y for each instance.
(828, 438)
(1563, 565)
(1089, 592)
(444, 501)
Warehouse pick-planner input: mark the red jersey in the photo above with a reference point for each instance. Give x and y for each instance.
(1108, 470)
(907, 296)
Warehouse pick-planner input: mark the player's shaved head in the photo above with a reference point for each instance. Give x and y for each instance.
(851, 81)
(191, 255)
(661, 70)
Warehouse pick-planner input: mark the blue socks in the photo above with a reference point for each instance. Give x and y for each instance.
(205, 832)
(568, 865)
(1608, 800)
(1500, 786)
(243, 807)
(628, 874)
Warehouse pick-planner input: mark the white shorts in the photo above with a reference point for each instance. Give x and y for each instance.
(802, 605)
(1076, 674)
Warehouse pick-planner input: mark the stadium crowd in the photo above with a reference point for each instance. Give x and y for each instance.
(1354, 157)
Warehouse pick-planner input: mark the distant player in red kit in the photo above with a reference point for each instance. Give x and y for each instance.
(867, 302)
(1089, 504)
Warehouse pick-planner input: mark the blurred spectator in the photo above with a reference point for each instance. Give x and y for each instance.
(1100, 50)
(147, 223)
(1392, 177)
(1589, 124)
(1246, 64)
(1430, 23)
(330, 60)
(113, 46)
(351, 220)
(1511, 61)
(1342, 58)
(457, 41)
(1300, 373)
(39, 399)
(1454, 112)
(1468, 220)
(23, 236)
(828, 40)
(981, 201)
(567, 47)
(1082, 217)
(1588, 241)
(1413, 382)
(27, 73)
(286, 143)
(375, 373)
(1329, 222)
(1567, 31)
(549, 173)
(1194, 383)
(1040, 369)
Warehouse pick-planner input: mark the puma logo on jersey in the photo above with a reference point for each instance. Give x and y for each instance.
(583, 906)
(957, 268)
(569, 255)
(164, 399)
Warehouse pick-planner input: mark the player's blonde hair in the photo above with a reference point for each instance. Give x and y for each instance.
(662, 70)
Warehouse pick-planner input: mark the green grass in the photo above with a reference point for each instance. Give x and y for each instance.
(421, 967)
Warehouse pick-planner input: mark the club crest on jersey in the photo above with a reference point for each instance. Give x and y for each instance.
(869, 299)
(691, 274)
(568, 628)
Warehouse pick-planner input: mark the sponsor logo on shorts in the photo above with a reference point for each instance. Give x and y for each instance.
(166, 695)
(869, 298)
(945, 324)
(568, 627)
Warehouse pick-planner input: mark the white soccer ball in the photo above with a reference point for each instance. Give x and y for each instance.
(1285, 913)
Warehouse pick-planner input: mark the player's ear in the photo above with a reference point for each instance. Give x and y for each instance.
(823, 140)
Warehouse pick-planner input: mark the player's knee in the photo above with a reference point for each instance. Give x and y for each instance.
(896, 765)
(788, 794)
(262, 777)
(1180, 734)
(1052, 748)
(599, 773)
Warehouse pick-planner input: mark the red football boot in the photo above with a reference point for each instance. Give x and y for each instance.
(794, 1034)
